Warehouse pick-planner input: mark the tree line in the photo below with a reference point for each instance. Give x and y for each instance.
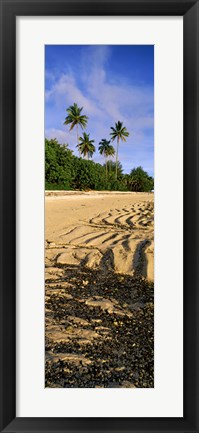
(65, 171)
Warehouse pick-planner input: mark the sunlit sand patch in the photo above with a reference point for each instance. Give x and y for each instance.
(71, 357)
(121, 240)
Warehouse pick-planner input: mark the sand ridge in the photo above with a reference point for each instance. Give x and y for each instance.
(116, 232)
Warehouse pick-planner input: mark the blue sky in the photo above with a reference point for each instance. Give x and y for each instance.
(112, 83)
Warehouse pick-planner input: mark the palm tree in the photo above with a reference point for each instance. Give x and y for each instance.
(119, 132)
(86, 146)
(106, 149)
(75, 118)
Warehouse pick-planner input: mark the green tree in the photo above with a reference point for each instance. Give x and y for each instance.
(89, 175)
(113, 183)
(86, 145)
(120, 133)
(63, 170)
(75, 118)
(111, 165)
(59, 169)
(106, 149)
(139, 180)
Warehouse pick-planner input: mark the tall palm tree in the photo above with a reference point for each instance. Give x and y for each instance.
(119, 132)
(86, 146)
(106, 149)
(75, 118)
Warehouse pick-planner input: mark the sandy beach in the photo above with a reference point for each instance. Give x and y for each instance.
(99, 289)
(112, 230)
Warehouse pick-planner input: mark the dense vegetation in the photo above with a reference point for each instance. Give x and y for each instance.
(65, 171)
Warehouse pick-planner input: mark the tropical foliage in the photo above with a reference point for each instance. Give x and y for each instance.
(107, 150)
(58, 164)
(75, 118)
(120, 133)
(139, 180)
(86, 146)
(63, 170)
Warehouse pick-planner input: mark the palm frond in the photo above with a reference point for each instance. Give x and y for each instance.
(119, 131)
(75, 117)
(86, 145)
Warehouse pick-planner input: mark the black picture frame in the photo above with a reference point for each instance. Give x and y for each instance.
(9, 10)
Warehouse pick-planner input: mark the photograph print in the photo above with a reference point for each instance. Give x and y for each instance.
(99, 216)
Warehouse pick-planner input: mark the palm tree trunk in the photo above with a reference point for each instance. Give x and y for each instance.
(78, 141)
(106, 169)
(116, 158)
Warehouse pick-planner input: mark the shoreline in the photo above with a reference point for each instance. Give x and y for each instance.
(61, 194)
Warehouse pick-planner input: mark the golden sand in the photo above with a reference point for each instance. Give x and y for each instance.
(101, 230)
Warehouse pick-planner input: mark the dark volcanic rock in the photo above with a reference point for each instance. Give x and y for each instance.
(102, 334)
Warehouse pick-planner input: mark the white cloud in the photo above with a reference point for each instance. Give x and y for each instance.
(105, 100)
(65, 92)
(61, 136)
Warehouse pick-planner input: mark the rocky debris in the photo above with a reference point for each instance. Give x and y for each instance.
(102, 334)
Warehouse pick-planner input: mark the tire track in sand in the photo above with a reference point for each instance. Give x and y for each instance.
(120, 239)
